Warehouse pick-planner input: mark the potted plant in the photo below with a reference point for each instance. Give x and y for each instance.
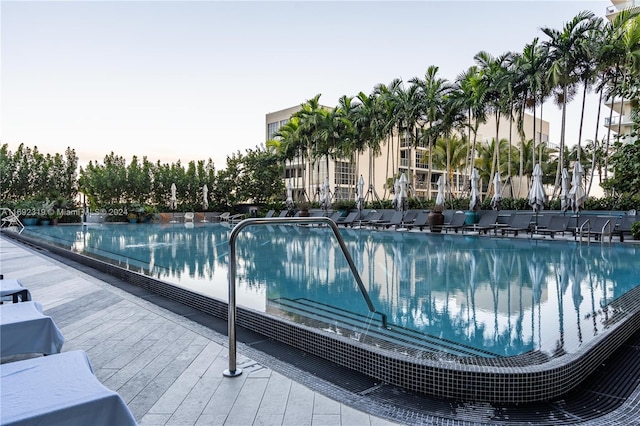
(133, 217)
(303, 208)
(436, 218)
(29, 212)
(54, 215)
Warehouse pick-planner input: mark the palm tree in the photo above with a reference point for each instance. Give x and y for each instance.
(368, 129)
(450, 155)
(385, 106)
(495, 73)
(407, 115)
(311, 117)
(565, 50)
(432, 94)
(470, 91)
(533, 65)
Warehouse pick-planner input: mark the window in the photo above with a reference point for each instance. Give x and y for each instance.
(345, 173)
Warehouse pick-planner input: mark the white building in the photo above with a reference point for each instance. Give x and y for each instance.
(397, 156)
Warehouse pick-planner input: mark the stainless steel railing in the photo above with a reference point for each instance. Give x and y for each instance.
(233, 371)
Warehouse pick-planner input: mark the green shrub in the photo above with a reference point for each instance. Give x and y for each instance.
(635, 230)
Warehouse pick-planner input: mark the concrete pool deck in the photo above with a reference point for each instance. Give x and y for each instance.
(169, 368)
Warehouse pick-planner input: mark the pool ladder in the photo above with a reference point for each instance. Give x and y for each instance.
(233, 371)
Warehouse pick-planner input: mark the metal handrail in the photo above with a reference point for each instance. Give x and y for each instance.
(233, 371)
(588, 224)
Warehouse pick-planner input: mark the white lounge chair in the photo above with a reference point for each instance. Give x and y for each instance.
(24, 329)
(188, 217)
(13, 290)
(58, 390)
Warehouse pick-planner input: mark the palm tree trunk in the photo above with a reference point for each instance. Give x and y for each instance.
(595, 145)
(584, 97)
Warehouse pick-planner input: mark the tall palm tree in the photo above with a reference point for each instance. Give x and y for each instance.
(407, 114)
(495, 72)
(311, 117)
(470, 90)
(533, 63)
(431, 99)
(386, 107)
(565, 50)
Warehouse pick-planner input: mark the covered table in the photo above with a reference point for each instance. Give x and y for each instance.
(58, 390)
(24, 329)
(14, 289)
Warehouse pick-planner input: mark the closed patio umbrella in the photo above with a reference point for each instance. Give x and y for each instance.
(396, 195)
(174, 199)
(496, 200)
(325, 195)
(360, 201)
(537, 196)
(403, 192)
(565, 182)
(577, 196)
(440, 196)
(205, 197)
(474, 199)
(289, 197)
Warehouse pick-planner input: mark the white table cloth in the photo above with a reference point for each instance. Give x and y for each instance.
(58, 390)
(24, 329)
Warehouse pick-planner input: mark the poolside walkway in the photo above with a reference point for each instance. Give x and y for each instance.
(167, 369)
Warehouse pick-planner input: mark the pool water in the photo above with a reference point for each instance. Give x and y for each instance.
(503, 296)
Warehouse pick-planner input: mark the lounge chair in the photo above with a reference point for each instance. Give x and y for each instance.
(58, 390)
(395, 220)
(270, 213)
(348, 219)
(284, 213)
(165, 217)
(557, 224)
(488, 221)
(335, 216)
(624, 226)
(421, 221)
(409, 217)
(224, 217)
(26, 330)
(519, 222)
(457, 222)
(13, 290)
(188, 217)
(235, 218)
(11, 220)
(370, 219)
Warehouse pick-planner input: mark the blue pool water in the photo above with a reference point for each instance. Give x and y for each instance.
(501, 295)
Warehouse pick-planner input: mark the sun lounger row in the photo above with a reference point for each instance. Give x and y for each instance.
(58, 389)
(496, 222)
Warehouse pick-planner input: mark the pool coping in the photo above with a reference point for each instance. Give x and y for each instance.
(527, 378)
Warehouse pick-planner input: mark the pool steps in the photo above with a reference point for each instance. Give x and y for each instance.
(391, 337)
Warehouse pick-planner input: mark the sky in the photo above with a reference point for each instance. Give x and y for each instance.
(193, 80)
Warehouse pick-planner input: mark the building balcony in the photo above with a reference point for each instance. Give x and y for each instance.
(623, 120)
(619, 5)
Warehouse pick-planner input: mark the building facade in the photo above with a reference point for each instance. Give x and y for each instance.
(306, 178)
(619, 120)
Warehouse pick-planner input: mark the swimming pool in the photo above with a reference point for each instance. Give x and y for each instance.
(447, 297)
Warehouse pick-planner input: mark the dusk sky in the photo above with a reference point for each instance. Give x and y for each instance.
(191, 80)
